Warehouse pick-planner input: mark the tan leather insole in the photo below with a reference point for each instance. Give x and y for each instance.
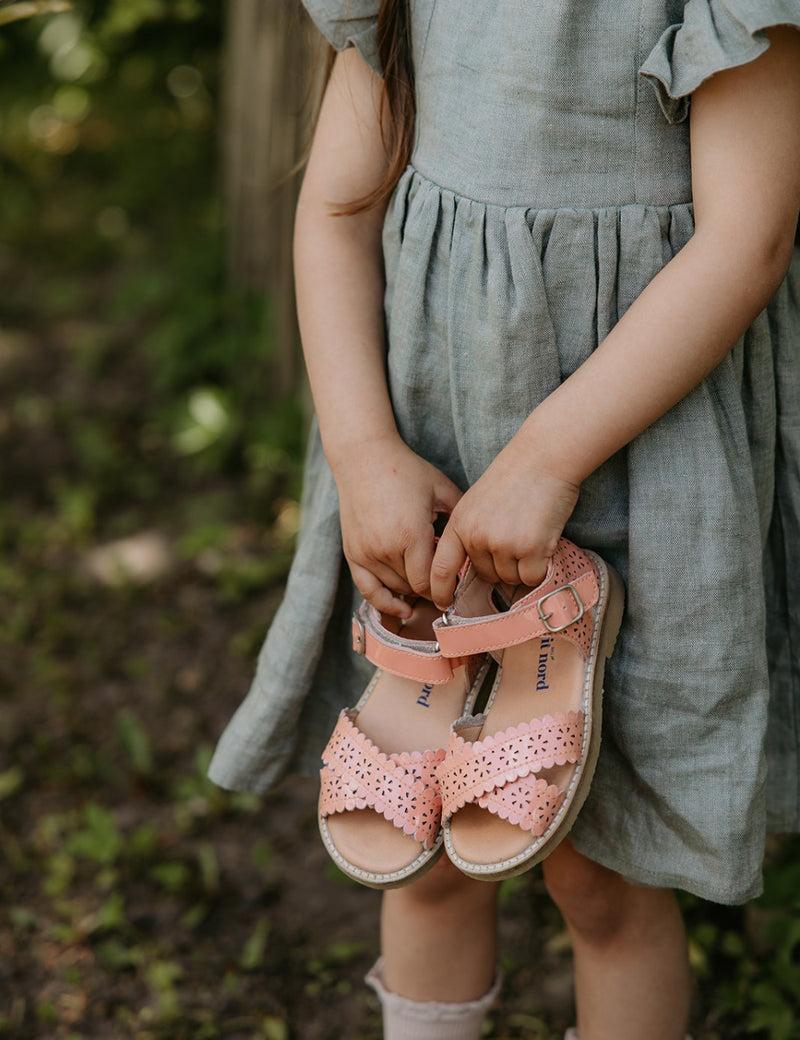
(540, 677)
(400, 715)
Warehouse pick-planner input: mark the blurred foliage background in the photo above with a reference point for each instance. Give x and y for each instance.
(111, 213)
(150, 444)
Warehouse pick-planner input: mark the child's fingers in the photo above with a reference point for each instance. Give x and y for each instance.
(532, 569)
(447, 495)
(447, 562)
(377, 594)
(502, 565)
(419, 554)
(418, 559)
(388, 571)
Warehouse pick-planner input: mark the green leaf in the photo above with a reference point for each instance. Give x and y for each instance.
(172, 876)
(194, 916)
(344, 951)
(111, 914)
(255, 948)
(209, 867)
(162, 975)
(117, 957)
(143, 841)
(10, 781)
(273, 1028)
(99, 839)
(262, 854)
(136, 742)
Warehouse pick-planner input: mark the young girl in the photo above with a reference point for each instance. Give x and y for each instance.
(552, 319)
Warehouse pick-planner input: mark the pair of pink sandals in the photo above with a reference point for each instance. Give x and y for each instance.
(402, 781)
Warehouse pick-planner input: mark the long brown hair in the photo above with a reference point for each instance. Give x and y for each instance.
(398, 99)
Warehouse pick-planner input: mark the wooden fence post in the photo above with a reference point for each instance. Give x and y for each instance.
(271, 60)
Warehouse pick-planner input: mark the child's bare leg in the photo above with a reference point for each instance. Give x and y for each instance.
(631, 964)
(439, 937)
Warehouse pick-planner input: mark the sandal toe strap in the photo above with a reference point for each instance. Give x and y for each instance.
(401, 787)
(530, 803)
(499, 773)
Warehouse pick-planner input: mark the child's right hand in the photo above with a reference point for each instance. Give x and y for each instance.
(388, 500)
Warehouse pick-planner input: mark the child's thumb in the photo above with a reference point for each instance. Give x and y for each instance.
(448, 559)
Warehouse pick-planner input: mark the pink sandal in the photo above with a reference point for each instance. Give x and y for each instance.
(379, 807)
(514, 777)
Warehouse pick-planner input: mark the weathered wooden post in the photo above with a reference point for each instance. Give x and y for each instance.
(272, 55)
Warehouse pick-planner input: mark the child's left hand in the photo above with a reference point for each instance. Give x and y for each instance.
(508, 524)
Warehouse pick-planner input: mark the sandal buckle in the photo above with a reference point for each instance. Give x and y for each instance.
(359, 636)
(546, 617)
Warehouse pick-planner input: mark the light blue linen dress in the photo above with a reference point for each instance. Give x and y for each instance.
(549, 183)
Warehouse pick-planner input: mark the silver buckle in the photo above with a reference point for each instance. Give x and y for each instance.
(359, 636)
(546, 617)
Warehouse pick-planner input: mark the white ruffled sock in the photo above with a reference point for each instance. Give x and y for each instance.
(405, 1019)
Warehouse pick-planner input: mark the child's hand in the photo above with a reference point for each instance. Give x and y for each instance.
(508, 524)
(388, 500)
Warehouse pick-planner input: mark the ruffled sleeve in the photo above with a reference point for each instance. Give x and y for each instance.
(714, 35)
(348, 23)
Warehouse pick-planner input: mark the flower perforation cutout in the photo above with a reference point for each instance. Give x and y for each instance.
(531, 805)
(471, 771)
(401, 787)
(569, 563)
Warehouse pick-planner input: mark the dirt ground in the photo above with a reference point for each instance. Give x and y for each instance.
(139, 900)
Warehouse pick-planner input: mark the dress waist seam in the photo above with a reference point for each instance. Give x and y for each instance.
(413, 171)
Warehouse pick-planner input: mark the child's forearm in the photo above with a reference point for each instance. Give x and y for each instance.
(339, 266)
(746, 189)
(339, 278)
(388, 495)
(678, 329)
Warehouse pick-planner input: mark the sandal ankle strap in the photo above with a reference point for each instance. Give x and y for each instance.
(556, 607)
(417, 659)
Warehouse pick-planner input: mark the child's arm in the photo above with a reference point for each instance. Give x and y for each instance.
(745, 139)
(388, 495)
